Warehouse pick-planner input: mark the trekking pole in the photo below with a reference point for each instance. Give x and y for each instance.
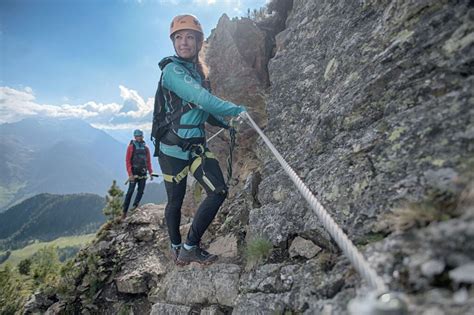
(128, 180)
(136, 176)
(214, 135)
(238, 119)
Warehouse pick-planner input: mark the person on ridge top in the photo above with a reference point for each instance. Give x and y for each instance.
(183, 148)
(138, 161)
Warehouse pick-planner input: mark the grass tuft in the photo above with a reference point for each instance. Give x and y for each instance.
(257, 251)
(438, 206)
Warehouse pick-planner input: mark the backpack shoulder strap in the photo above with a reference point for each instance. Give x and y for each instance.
(133, 148)
(163, 63)
(176, 111)
(159, 96)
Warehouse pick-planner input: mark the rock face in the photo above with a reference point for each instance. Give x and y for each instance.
(368, 99)
(217, 284)
(237, 56)
(371, 102)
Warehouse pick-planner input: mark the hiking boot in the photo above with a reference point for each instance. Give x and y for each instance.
(134, 208)
(195, 254)
(174, 253)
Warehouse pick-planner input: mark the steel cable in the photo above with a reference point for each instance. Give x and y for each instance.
(355, 257)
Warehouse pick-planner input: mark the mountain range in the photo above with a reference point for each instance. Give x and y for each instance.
(59, 156)
(46, 217)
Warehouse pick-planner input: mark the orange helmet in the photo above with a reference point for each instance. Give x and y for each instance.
(185, 22)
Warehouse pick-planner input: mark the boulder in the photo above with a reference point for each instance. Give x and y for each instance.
(212, 310)
(224, 246)
(169, 309)
(131, 283)
(463, 274)
(144, 234)
(216, 284)
(303, 248)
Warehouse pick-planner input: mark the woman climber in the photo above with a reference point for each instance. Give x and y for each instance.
(183, 103)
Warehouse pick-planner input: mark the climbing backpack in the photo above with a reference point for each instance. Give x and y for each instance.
(139, 158)
(164, 127)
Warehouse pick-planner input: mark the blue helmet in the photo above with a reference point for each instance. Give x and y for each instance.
(137, 133)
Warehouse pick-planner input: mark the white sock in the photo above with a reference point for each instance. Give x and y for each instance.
(188, 247)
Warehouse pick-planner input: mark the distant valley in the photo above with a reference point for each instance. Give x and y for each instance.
(46, 217)
(58, 156)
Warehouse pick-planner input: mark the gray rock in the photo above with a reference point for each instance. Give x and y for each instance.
(56, 308)
(121, 237)
(433, 311)
(37, 303)
(277, 222)
(461, 296)
(261, 304)
(216, 284)
(432, 268)
(304, 248)
(132, 283)
(443, 179)
(270, 278)
(148, 214)
(463, 274)
(224, 246)
(212, 310)
(169, 309)
(146, 265)
(242, 48)
(144, 234)
(100, 248)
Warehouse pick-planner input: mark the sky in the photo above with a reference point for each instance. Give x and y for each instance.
(96, 60)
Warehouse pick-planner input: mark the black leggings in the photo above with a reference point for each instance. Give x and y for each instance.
(131, 187)
(209, 176)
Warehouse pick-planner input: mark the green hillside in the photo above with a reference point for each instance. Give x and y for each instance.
(46, 217)
(61, 243)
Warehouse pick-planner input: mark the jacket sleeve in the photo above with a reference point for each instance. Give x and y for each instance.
(218, 121)
(177, 79)
(148, 160)
(128, 159)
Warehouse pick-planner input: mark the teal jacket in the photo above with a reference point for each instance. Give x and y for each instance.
(182, 78)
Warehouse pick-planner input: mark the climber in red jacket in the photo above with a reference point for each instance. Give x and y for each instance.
(138, 161)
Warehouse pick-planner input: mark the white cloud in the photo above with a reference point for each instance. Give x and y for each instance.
(134, 105)
(18, 104)
(132, 96)
(204, 2)
(125, 126)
